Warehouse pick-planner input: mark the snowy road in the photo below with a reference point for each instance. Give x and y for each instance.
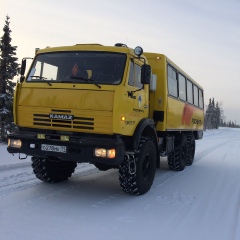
(201, 202)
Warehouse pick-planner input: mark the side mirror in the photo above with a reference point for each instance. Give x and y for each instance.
(146, 74)
(22, 78)
(23, 67)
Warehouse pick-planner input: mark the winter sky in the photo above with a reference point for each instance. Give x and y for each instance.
(201, 37)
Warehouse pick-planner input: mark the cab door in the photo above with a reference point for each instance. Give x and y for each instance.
(136, 99)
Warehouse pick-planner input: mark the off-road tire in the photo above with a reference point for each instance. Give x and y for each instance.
(191, 149)
(52, 171)
(177, 159)
(146, 160)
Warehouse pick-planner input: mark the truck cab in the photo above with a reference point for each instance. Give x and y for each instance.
(82, 103)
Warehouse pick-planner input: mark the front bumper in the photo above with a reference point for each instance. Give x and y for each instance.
(78, 149)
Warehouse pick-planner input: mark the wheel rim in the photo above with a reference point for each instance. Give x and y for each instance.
(146, 167)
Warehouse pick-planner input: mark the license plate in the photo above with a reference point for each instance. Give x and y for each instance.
(53, 148)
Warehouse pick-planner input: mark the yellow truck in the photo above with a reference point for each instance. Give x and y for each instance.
(111, 106)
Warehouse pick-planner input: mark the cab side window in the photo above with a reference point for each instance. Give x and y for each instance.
(135, 75)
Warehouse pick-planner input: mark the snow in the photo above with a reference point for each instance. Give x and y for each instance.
(201, 202)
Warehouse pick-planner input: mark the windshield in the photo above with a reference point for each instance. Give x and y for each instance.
(78, 67)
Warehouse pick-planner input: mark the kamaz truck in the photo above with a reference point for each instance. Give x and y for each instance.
(111, 106)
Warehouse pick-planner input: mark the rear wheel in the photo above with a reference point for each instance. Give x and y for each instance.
(177, 159)
(191, 149)
(52, 170)
(136, 174)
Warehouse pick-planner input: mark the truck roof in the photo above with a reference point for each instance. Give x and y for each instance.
(88, 47)
(164, 57)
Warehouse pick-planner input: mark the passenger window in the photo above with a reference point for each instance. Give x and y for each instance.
(200, 98)
(172, 82)
(182, 87)
(195, 95)
(189, 92)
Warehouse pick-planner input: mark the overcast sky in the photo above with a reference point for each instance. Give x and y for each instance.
(201, 37)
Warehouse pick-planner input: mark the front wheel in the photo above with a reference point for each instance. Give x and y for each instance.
(136, 174)
(52, 170)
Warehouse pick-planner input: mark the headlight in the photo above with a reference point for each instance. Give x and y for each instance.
(100, 152)
(105, 153)
(14, 143)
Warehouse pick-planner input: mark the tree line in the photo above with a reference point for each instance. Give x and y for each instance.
(214, 117)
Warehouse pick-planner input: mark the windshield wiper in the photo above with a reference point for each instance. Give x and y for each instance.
(86, 80)
(42, 78)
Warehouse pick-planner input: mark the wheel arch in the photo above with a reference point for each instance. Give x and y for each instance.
(146, 128)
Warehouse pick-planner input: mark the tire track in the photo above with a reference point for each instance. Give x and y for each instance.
(162, 178)
(165, 177)
(20, 178)
(200, 154)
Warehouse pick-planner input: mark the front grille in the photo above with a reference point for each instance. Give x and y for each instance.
(76, 123)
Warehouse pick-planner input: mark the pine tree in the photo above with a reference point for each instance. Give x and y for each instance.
(209, 115)
(222, 116)
(218, 115)
(8, 70)
(214, 115)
